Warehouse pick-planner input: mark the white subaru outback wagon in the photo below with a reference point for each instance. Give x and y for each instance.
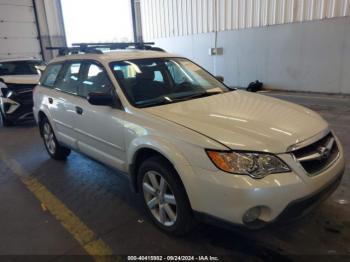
(192, 147)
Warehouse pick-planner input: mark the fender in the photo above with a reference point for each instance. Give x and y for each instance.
(43, 108)
(40, 95)
(166, 149)
(159, 144)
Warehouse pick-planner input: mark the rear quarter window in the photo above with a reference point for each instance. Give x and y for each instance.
(49, 77)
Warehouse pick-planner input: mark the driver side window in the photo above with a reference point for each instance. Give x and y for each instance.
(95, 80)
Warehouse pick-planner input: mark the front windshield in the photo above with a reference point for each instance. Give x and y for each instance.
(157, 81)
(20, 67)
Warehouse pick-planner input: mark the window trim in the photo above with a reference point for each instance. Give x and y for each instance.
(84, 71)
(64, 70)
(83, 63)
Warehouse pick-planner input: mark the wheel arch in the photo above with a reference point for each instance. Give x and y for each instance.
(145, 151)
(41, 116)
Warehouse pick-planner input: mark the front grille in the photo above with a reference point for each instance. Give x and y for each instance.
(318, 156)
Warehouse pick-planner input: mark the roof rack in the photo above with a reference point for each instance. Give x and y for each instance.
(96, 48)
(121, 45)
(62, 51)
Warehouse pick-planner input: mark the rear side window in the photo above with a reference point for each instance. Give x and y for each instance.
(70, 79)
(49, 77)
(95, 80)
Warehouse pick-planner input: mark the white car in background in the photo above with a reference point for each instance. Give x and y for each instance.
(191, 146)
(18, 77)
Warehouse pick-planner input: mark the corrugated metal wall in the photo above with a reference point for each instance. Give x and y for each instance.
(18, 30)
(164, 18)
(19, 23)
(51, 25)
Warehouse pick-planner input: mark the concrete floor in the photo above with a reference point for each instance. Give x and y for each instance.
(102, 199)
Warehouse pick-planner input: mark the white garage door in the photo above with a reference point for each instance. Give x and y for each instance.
(18, 29)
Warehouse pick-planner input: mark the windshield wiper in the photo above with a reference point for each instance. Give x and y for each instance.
(166, 100)
(155, 103)
(198, 95)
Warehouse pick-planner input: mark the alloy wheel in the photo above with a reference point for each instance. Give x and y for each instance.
(159, 198)
(49, 138)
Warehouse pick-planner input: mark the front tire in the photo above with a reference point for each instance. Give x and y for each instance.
(164, 196)
(53, 148)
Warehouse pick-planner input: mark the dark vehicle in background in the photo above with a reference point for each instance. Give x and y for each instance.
(18, 77)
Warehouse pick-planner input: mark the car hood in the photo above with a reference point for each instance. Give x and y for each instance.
(245, 121)
(21, 79)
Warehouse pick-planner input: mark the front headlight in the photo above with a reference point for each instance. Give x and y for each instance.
(256, 165)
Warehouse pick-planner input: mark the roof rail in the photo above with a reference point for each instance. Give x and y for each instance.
(121, 45)
(96, 48)
(63, 50)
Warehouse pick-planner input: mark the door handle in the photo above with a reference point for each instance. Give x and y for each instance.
(50, 100)
(79, 110)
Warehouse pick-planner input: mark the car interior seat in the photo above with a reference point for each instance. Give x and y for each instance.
(145, 87)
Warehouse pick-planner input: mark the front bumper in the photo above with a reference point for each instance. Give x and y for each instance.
(226, 197)
(300, 207)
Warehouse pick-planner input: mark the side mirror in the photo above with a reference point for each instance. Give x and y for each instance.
(220, 78)
(100, 99)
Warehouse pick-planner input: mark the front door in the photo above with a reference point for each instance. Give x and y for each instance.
(100, 129)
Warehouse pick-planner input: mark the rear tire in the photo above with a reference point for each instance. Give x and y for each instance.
(5, 122)
(164, 196)
(53, 148)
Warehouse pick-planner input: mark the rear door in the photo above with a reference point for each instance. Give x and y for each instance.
(100, 128)
(62, 103)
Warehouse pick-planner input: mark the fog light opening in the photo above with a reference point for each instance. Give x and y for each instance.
(252, 215)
